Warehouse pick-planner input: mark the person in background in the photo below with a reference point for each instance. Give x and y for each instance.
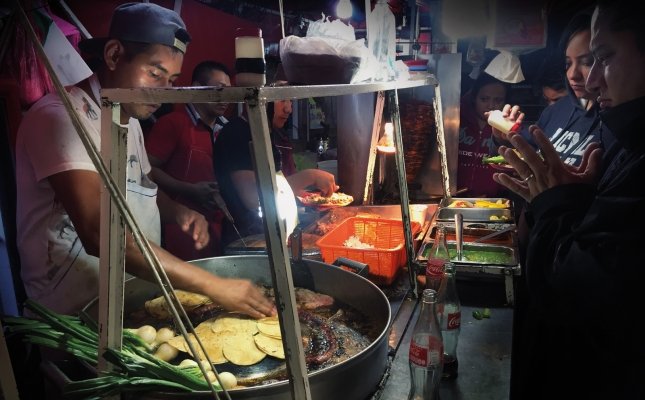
(235, 173)
(584, 261)
(180, 149)
(59, 189)
(475, 136)
(551, 83)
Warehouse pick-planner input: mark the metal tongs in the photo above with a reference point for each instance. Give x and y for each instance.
(219, 200)
(492, 235)
(459, 236)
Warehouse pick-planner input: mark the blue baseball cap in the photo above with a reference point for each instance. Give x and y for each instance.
(143, 23)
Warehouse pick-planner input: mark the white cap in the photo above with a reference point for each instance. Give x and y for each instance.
(505, 67)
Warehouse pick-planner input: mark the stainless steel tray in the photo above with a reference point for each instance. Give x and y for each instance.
(499, 215)
(475, 214)
(445, 202)
(475, 254)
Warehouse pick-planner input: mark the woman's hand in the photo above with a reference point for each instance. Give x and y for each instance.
(240, 295)
(541, 171)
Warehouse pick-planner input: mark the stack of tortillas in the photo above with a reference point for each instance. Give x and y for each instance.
(235, 338)
(269, 338)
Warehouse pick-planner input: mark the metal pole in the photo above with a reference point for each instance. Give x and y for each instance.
(368, 193)
(114, 147)
(441, 142)
(403, 186)
(275, 235)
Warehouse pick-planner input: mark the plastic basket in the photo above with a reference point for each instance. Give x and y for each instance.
(386, 235)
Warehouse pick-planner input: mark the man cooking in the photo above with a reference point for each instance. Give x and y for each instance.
(58, 215)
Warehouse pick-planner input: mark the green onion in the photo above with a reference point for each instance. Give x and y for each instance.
(136, 369)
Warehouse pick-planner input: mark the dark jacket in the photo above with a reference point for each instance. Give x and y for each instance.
(585, 272)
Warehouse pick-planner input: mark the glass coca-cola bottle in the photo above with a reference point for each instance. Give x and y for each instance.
(426, 351)
(437, 257)
(450, 321)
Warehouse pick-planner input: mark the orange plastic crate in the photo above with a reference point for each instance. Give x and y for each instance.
(386, 235)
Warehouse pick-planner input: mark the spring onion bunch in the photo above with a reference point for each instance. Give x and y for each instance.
(137, 369)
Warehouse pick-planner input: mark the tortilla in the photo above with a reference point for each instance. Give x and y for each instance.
(159, 309)
(270, 326)
(271, 346)
(237, 323)
(243, 351)
(213, 342)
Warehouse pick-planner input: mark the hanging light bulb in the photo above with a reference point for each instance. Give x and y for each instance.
(386, 143)
(344, 9)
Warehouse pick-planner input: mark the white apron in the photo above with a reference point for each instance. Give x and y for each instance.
(73, 273)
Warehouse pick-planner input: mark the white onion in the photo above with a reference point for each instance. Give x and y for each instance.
(166, 352)
(148, 333)
(227, 380)
(188, 363)
(164, 334)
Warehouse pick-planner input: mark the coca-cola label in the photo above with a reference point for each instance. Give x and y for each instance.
(434, 267)
(454, 320)
(418, 355)
(424, 357)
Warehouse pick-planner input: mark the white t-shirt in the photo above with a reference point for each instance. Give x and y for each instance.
(56, 270)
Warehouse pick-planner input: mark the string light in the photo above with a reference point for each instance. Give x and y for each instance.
(344, 9)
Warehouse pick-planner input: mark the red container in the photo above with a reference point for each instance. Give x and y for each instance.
(386, 235)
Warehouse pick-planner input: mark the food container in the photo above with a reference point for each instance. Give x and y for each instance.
(475, 214)
(475, 254)
(475, 231)
(386, 236)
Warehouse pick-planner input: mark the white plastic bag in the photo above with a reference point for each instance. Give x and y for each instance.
(329, 54)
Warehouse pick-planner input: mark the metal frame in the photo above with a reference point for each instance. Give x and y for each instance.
(256, 99)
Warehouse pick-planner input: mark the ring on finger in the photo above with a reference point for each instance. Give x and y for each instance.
(528, 178)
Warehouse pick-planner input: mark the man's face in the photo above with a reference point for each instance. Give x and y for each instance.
(281, 111)
(218, 79)
(156, 68)
(618, 72)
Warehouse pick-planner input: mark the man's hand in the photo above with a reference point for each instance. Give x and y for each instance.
(541, 171)
(321, 180)
(324, 181)
(194, 224)
(241, 295)
(203, 193)
(510, 113)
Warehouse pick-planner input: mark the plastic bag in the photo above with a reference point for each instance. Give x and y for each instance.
(329, 54)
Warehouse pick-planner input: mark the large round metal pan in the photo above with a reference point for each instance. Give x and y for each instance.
(355, 378)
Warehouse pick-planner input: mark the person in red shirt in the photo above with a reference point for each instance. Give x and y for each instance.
(475, 137)
(180, 149)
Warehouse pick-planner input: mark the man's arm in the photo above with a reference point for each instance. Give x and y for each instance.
(79, 191)
(190, 221)
(166, 182)
(244, 182)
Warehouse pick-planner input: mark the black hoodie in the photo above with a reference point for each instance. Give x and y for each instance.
(585, 272)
